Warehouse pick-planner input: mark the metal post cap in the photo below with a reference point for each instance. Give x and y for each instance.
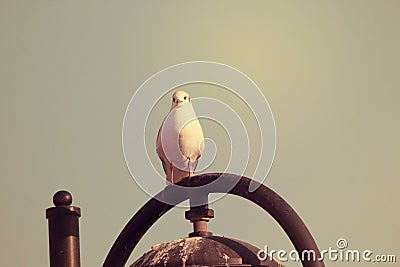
(62, 198)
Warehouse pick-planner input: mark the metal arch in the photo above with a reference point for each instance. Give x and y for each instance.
(264, 197)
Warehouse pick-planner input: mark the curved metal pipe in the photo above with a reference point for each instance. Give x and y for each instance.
(264, 197)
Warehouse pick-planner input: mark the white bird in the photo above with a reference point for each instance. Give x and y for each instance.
(180, 139)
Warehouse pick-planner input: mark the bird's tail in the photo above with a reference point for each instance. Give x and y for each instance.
(176, 175)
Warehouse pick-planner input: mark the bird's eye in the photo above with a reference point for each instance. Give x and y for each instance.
(184, 98)
(173, 99)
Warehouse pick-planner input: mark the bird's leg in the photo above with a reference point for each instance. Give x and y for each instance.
(172, 172)
(188, 166)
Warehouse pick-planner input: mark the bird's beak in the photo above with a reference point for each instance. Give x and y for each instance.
(179, 101)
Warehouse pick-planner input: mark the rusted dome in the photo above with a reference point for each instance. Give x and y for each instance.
(203, 251)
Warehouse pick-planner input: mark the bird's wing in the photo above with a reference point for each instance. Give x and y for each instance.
(167, 169)
(159, 148)
(161, 154)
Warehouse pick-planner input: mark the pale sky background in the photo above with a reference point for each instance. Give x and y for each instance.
(329, 69)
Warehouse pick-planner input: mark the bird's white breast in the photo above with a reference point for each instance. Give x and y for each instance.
(182, 136)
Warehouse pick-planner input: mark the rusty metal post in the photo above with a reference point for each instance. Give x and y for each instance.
(199, 214)
(63, 220)
(264, 197)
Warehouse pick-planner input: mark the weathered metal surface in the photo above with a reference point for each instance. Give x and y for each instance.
(203, 251)
(264, 197)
